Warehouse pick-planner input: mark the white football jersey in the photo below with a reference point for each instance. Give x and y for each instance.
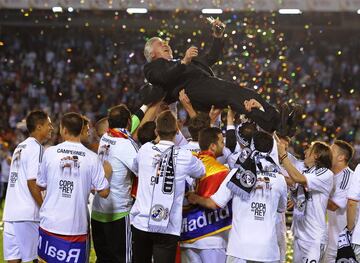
(19, 203)
(69, 172)
(186, 165)
(313, 226)
(337, 219)
(354, 194)
(253, 233)
(120, 153)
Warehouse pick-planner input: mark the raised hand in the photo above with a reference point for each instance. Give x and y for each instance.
(218, 28)
(189, 55)
(185, 101)
(214, 114)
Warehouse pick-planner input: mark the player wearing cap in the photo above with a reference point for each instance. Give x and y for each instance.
(23, 198)
(69, 172)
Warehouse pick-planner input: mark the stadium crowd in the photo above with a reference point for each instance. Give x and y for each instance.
(141, 163)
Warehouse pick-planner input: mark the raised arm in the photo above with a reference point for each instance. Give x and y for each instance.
(215, 52)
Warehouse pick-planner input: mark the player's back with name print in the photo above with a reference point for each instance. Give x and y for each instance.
(68, 164)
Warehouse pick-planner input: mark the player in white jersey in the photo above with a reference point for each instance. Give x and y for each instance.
(156, 216)
(23, 198)
(252, 237)
(69, 172)
(342, 153)
(311, 197)
(111, 215)
(353, 210)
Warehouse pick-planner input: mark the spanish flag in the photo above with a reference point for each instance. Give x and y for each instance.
(214, 176)
(206, 187)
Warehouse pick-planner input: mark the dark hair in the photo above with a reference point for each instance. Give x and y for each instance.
(208, 136)
(86, 120)
(197, 123)
(166, 125)
(119, 116)
(99, 126)
(246, 130)
(323, 158)
(346, 149)
(263, 142)
(35, 118)
(146, 132)
(73, 122)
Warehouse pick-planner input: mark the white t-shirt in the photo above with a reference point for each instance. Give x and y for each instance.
(186, 165)
(354, 194)
(120, 153)
(69, 172)
(253, 233)
(19, 203)
(337, 219)
(313, 227)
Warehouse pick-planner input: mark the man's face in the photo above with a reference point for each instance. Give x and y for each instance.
(337, 155)
(161, 49)
(46, 129)
(218, 147)
(309, 157)
(85, 134)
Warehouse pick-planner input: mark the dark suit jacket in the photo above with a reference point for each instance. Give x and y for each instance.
(172, 76)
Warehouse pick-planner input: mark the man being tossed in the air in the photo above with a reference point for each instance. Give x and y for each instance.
(194, 73)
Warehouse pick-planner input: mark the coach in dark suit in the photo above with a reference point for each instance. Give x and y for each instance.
(193, 73)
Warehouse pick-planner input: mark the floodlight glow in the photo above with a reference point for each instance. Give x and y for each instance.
(212, 11)
(57, 9)
(358, 11)
(70, 9)
(290, 11)
(137, 10)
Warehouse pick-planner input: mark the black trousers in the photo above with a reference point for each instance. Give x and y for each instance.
(208, 91)
(112, 241)
(147, 245)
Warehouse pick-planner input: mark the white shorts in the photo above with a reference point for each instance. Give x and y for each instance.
(193, 255)
(21, 240)
(231, 259)
(308, 252)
